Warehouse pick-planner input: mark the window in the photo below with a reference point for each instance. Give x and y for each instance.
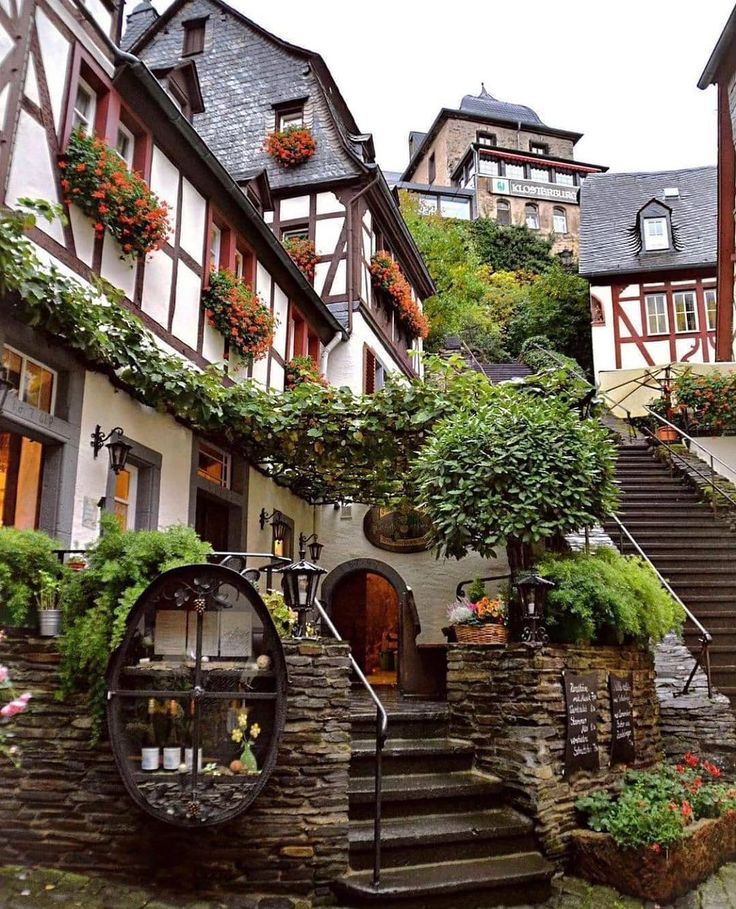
(503, 212)
(21, 470)
(711, 308)
(431, 169)
(483, 138)
(531, 216)
(657, 314)
(124, 497)
(565, 178)
(559, 220)
(515, 170)
(239, 263)
(193, 37)
(538, 148)
(686, 317)
(85, 106)
(295, 233)
(125, 144)
(215, 245)
(34, 382)
(656, 236)
(468, 174)
(427, 205)
(450, 207)
(292, 116)
(214, 465)
(540, 174)
(488, 167)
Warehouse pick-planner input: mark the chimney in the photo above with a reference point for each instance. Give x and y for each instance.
(137, 22)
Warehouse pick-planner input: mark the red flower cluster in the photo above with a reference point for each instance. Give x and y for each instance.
(239, 314)
(303, 255)
(387, 276)
(303, 369)
(709, 400)
(98, 181)
(291, 146)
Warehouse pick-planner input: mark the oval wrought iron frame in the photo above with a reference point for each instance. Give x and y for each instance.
(116, 664)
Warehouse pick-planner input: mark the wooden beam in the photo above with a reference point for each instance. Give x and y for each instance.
(726, 188)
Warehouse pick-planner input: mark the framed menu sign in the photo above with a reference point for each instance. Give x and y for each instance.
(621, 690)
(581, 741)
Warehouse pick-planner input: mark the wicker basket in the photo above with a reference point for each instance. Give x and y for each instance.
(497, 635)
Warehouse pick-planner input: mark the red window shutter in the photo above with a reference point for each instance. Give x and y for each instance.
(369, 372)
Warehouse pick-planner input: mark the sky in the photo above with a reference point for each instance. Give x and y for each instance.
(623, 73)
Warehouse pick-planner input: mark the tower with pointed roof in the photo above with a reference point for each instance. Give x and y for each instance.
(489, 158)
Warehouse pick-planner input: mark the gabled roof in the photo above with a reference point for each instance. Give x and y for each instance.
(718, 55)
(611, 207)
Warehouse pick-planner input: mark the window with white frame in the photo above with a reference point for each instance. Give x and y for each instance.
(538, 148)
(295, 233)
(656, 305)
(565, 178)
(452, 207)
(531, 216)
(503, 212)
(540, 174)
(294, 116)
(559, 220)
(488, 167)
(686, 314)
(711, 308)
(85, 106)
(515, 170)
(34, 382)
(483, 138)
(655, 234)
(427, 205)
(125, 144)
(215, 245)
(238, 264)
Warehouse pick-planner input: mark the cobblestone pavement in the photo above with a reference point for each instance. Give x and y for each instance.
(41, 888)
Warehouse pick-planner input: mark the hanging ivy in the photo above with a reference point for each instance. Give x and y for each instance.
(239, 314)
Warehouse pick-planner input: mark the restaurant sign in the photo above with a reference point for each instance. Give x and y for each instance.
(507, 186)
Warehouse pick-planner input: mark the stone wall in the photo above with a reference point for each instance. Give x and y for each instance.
(67, 807)
(511, 704)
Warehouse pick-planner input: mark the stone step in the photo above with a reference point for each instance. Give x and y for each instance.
(435, 755)
(707, 526)
(404, 724)
(437, 837)
(678, 547)
(508, 880)
(425, 793)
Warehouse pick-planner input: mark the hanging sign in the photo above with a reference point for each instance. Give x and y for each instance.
(621, 690)
(581, 742)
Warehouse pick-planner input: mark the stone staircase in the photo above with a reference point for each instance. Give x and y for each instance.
(449, 838)
(692, 548)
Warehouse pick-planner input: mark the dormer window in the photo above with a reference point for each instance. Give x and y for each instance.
(655, 234)
(193, 37)
(289, 116)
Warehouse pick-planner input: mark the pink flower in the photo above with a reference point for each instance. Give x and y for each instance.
(4, 674)
(17, 706)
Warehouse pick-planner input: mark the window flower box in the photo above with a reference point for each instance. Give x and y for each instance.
(303, 254)
(292, 146)
(118, 200)
(388, 277)
(239, 314)
(303, 369)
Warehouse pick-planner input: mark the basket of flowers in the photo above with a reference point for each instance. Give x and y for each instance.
(482, 622)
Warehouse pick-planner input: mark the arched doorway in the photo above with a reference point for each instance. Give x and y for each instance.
(368, 602)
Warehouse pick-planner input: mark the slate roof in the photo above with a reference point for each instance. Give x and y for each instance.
(504, 372)
(610, 204)
(488, 106)
(138, 21)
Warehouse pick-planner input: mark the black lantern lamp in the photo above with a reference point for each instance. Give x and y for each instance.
(315, 547)
(116, 447)
(532, 589)
(300, 583)
(279, 527)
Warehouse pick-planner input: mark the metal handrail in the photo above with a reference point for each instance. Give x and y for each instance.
(703, 658)
(381, 735)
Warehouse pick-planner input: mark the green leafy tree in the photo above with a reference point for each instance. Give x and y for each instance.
(511, 248)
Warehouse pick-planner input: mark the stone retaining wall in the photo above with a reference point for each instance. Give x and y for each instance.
(67, 807)
(511, 705)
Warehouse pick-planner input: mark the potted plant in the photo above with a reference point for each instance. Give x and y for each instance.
(482, 622)
(291, 146)
(49, 613)
(76, 562)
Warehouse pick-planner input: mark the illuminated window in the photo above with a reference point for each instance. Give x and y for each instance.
(214, 465)
(21, 469)
(686, 316)
(657, 314)
(711, 308)
(34, 382)
(124, 497)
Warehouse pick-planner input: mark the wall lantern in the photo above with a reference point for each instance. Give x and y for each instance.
(279, 526)
(300, 583)
(117, 448)
(315, 547)
(532, 589)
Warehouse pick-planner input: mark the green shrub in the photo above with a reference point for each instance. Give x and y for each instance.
(26, 558)
(97, 601)
(606, 598)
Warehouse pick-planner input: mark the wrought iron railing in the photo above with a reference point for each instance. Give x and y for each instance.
(381, 735)
(702, 660)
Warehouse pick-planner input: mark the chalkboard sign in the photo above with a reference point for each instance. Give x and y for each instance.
(581, 744)
(622, 719)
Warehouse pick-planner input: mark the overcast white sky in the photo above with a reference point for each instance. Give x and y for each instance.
(624, 73)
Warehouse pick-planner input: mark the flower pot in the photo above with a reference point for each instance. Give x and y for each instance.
(667, 434)
(49, 623)
(172, 758)
(494, 635)
(188, 754)
(150, 758)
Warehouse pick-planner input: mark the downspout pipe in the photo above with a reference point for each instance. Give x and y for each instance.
(327, 350)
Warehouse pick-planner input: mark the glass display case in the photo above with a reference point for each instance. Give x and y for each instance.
(197, 696)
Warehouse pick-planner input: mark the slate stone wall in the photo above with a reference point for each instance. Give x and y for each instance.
(511, 705)
(67, 807)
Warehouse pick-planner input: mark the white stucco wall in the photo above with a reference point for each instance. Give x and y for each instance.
(105, 405)
(724, 450)
(432, 580)
(264, 493)
(345, 366)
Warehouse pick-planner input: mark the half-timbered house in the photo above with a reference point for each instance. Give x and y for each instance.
(254, 83)
(61, 70)
(648, 248)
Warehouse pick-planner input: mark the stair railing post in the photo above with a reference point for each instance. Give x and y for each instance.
(378, 796)
(713, 486)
